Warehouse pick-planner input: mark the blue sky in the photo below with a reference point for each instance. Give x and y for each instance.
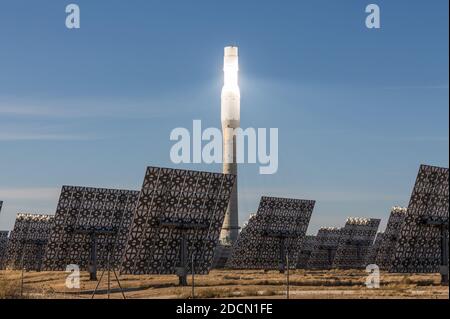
(357, 110)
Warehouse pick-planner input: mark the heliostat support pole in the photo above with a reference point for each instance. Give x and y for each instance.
(93, 259)
(182, 275)
(444, 255)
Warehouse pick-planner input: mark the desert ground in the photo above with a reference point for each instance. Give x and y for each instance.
(304, 284)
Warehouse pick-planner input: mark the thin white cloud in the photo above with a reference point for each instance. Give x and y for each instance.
(22, 110)
(427, 139)
(35, 136)
(81, 109)
(322, 195)
(104, 107)
(29, 193)
(419, 87)
(409, 139)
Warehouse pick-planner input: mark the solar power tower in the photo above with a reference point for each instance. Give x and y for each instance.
(3, 248)
(273, 236)
(374, 249)
(306, 250)
(90, 228)
(356, 238)
(28, 241)
(391, 235)
(177, 222)
(325, 247)
(422, 246)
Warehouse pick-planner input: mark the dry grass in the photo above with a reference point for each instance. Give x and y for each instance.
(332, 284)
(221, 292)
(9, 289)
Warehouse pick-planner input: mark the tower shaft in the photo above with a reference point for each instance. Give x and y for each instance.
(230, 228)
(230, 116)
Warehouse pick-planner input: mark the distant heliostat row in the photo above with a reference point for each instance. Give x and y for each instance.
(172, 226)
(415, 239)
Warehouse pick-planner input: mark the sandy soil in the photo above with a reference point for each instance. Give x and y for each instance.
(332, 284)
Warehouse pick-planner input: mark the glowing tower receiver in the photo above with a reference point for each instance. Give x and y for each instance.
(230, 116)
